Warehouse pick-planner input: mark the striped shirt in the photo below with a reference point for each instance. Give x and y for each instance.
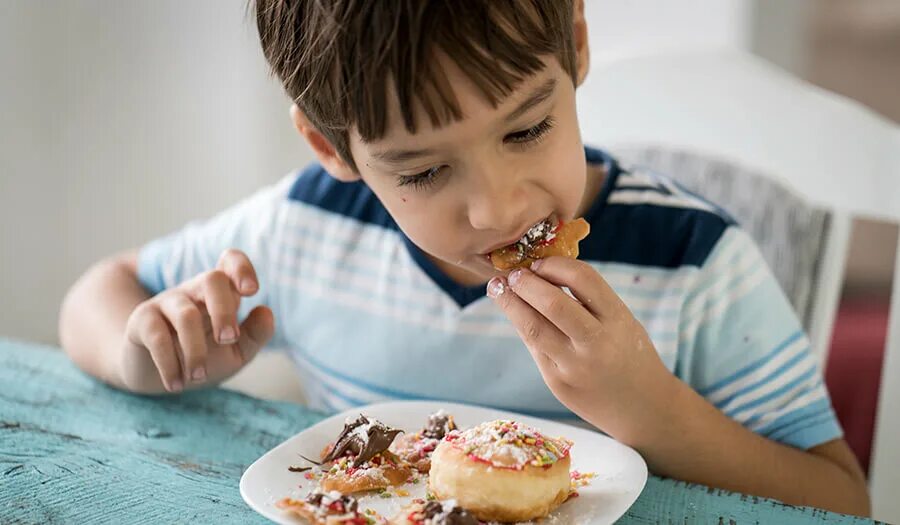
(367, 317)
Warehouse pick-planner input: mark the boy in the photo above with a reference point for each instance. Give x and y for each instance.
(445, 130)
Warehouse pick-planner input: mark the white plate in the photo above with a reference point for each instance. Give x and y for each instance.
(621, 472)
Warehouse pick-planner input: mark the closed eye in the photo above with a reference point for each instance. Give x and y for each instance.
(532, 134)
(420, 180)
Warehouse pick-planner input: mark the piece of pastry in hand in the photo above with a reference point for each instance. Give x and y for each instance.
(420, 512)
(502, 471)
(545, 239)
(320, 508)
(359, 459)
(416, 448)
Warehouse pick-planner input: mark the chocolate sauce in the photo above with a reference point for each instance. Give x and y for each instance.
(439, 424)
(435, 511)
(325, 501)
(363, 438)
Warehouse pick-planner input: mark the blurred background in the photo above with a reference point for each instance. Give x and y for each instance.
(122, 120)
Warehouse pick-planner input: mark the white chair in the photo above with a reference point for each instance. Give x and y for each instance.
(833, 152)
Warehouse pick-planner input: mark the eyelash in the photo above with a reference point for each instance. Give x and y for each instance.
(531, 136)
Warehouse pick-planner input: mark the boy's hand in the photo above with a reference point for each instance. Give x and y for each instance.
(593, 354)
(191, 333)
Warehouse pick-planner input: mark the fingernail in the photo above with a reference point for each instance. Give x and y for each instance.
(514, 277)
(496, 287)
(176, 385)
(199, 374)
(227, 335)
(247, 285)
(536, 264)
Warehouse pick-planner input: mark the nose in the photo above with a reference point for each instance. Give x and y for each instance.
(497, 201)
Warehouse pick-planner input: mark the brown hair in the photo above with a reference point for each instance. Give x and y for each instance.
(337, 58)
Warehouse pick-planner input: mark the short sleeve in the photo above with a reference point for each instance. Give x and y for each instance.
(251, 226)
(743, 348)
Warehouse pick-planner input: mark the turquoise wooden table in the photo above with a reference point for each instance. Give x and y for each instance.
(75, 451)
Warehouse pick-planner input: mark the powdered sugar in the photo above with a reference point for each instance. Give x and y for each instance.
(447, 507)
(539, 233)
(509, 444)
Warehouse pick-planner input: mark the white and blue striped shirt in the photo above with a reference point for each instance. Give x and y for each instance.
(367, 317)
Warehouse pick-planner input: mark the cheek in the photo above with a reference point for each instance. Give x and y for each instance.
(567, 175)
(428, 222)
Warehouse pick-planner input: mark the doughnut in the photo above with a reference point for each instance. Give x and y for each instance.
(502, 471)
(544, 239)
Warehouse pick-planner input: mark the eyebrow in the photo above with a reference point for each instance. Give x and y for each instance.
(399, 156)
(539, 95)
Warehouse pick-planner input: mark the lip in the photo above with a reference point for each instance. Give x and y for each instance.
(518, 237)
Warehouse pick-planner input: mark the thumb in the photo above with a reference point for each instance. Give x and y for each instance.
(256, 330)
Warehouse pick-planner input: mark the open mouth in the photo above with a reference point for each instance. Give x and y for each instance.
(548, 238)
(542, 232)
(539, 235)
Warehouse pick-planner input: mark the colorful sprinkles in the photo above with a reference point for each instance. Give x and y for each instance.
(509, 444)
(581, 479)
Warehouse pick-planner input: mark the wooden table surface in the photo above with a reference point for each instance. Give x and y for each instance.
(75, 451)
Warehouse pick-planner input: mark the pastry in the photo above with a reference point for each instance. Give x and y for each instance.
(332, 508)
(544, 239)
(416, 448)
(502, 471)
(359, 459)
(421, 512)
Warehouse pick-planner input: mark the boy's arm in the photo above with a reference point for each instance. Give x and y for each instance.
(186, 310)
(94, 314)
(598, 360)
(710, 448)
(114, 330)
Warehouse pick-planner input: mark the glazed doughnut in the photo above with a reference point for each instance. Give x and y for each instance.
(416, 448)
(544, 239)
(502, 471)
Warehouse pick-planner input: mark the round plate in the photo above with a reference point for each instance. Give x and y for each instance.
(620, 471)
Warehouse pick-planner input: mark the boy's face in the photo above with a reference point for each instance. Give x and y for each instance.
(476, 185)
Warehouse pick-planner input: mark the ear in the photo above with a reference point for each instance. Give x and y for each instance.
(322, 147)
(582, 49)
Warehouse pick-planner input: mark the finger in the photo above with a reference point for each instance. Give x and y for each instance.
(257, 330)
(543, 339)
(222, 300)
(585, 283)
(187, 319)
(548, 299)
(239, 269)
(155, 334)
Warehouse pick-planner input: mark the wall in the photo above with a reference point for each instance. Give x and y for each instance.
(621, 28)
(120, 122)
